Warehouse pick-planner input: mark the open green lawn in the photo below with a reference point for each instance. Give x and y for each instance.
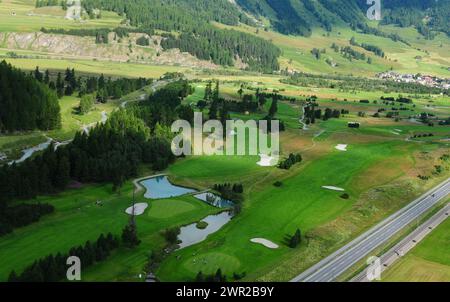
(273, 213)
(22, 16)
(78, 218)
(428, 262)
(71, 123)
(376, 158)
(131, 70)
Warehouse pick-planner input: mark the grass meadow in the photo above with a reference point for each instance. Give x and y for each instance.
(428, 262)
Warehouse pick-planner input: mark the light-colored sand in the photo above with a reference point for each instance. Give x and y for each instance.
(333, 188)
(341, 147)
(267, 161)
(139, 209)
(267, 243)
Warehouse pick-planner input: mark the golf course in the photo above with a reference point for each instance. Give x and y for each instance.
(88, 166)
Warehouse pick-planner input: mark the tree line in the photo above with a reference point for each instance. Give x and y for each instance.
(54, 268)
(25, 103)
(16, 216)
(287, 163)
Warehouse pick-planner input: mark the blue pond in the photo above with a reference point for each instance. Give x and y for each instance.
(190, 234)
(214, 200)
(160, 187)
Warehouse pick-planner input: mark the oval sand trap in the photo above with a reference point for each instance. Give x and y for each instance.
(341, 147)
(333, 188)
(267, 243)
(139, 209)
(267, 161)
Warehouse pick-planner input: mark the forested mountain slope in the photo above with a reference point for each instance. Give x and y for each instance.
(198, 37)
(187, 24)
(301, 16)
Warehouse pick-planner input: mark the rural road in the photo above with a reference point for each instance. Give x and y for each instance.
(155, 86)
(328, 269)
(407, 244)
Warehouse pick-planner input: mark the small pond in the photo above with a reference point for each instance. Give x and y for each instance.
(214, 200)
(160, 187)
(190, 234)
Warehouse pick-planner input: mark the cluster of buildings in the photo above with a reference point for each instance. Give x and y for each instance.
(430, 81)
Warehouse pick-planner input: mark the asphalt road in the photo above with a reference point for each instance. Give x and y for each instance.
(408, 243)
(328, 269)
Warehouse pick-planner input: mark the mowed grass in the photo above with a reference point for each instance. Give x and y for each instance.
(77, 219)
(115, 69)
(73, 122)
(273, 213)
(22, 16)
(428, 262)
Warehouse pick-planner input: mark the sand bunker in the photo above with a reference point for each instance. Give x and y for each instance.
(267, 243)
(139, 209)
(341, 147)
(267, 161)
(333, 188)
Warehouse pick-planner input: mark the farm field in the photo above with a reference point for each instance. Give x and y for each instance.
(131, 70)
(22, 16)
(297, 56)
(428, 262)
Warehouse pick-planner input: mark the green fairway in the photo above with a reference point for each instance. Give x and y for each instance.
(77, 218)
(428, 262)
(273, 213)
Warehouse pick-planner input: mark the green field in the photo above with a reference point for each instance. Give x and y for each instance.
(428, 262)
(22, 16)
(401, 57)
(78, 219)
(377, 162)
(116, 69)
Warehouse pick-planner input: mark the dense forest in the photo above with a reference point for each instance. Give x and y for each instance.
(26, 104)
(224, 46)
(301, 16)
(428, 16)
(199, 37)
(110, 152)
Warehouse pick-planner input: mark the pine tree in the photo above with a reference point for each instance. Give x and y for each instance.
(295, 240)
(129, 235)
(47, 77)
(274, 107)
(37, 74)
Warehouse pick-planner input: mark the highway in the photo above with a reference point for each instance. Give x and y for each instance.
(408, 243)
(330, 268)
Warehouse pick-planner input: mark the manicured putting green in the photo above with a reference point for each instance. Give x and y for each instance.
(167, 208)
